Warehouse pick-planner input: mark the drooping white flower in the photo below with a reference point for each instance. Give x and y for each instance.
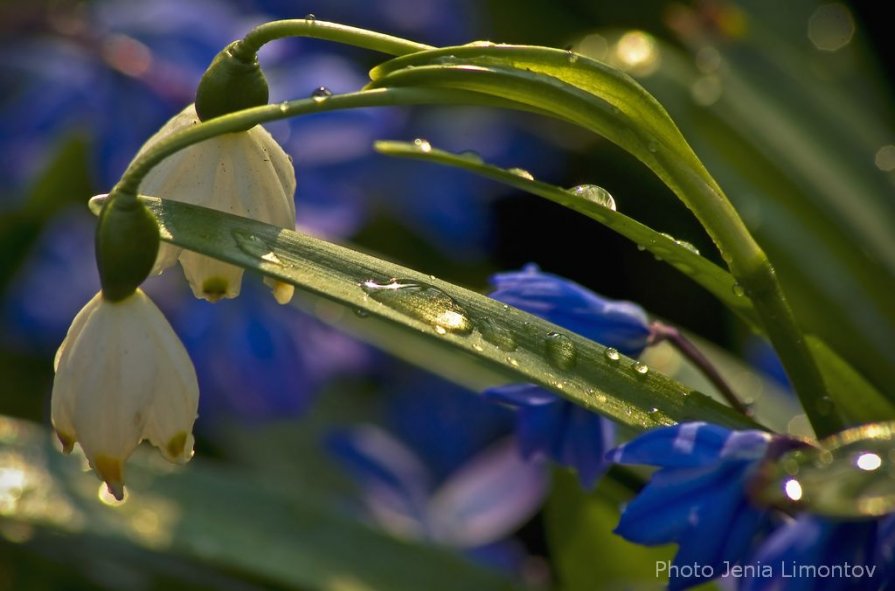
(244, 173)
(123, 376)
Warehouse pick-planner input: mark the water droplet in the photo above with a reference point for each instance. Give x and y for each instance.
(687, 245)
(423, 302)
(868, 461)
(792, 489)
(471, 156)
(284, 106)
(521, 172)
(641, 368)
(738, 290)
(594, 194)
(652, 146)
(498, 335)
(422, 145)
(310, 17)
(611, 354)
(361, 313)
(641, 247)
(478, 347)
(512, 361)
(572, 56)
(561, 351)
(254, 246)
(321, 93)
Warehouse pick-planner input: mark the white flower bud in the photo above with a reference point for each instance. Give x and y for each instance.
(123, 376)
(244, 173)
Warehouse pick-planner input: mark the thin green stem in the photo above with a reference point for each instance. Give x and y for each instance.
(383, 97)
(750, 266)
(344, 34)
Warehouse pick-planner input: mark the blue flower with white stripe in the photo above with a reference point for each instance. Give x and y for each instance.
(547, 425)
(698, 497)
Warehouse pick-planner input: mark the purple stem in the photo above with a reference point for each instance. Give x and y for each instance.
(662, 332)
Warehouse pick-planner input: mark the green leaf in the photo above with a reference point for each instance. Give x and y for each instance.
(849, 475)
(860, 400)
(606, 101)
(714, 279)
(838, 291)
(511, 342)
(218, 516)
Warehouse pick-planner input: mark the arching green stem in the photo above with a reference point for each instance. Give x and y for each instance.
(313, 28)
(130, 181)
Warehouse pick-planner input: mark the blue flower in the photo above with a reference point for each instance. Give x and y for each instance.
(697, 497)
(864, 547)
(483, 501)
(622, 325)
(547, 425)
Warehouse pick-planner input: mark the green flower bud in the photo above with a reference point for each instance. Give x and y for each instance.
(127, 242)
(233, 81)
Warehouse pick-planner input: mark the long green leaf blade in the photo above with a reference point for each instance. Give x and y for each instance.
(512, 342)
(714, 279)
(860, 401)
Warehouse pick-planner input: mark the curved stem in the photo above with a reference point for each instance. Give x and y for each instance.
(344, 34)
(662, 332)
(129, 183)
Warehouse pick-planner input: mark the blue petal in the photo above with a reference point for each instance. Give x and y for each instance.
(586, 439)
(669, 504)
(622, 325)
(691, 444)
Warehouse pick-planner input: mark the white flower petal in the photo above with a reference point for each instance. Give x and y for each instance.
(123, 375)
(210, 279)
(167, 256)
(244, 173)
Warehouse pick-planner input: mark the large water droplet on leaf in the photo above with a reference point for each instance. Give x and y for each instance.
(594, 194)
(423, 302)
(561, 351)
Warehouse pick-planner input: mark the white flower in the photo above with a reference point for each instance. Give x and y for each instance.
(245, 173)
(122, 376)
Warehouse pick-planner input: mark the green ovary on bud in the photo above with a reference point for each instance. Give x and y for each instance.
(127, 242)
(234, 81)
